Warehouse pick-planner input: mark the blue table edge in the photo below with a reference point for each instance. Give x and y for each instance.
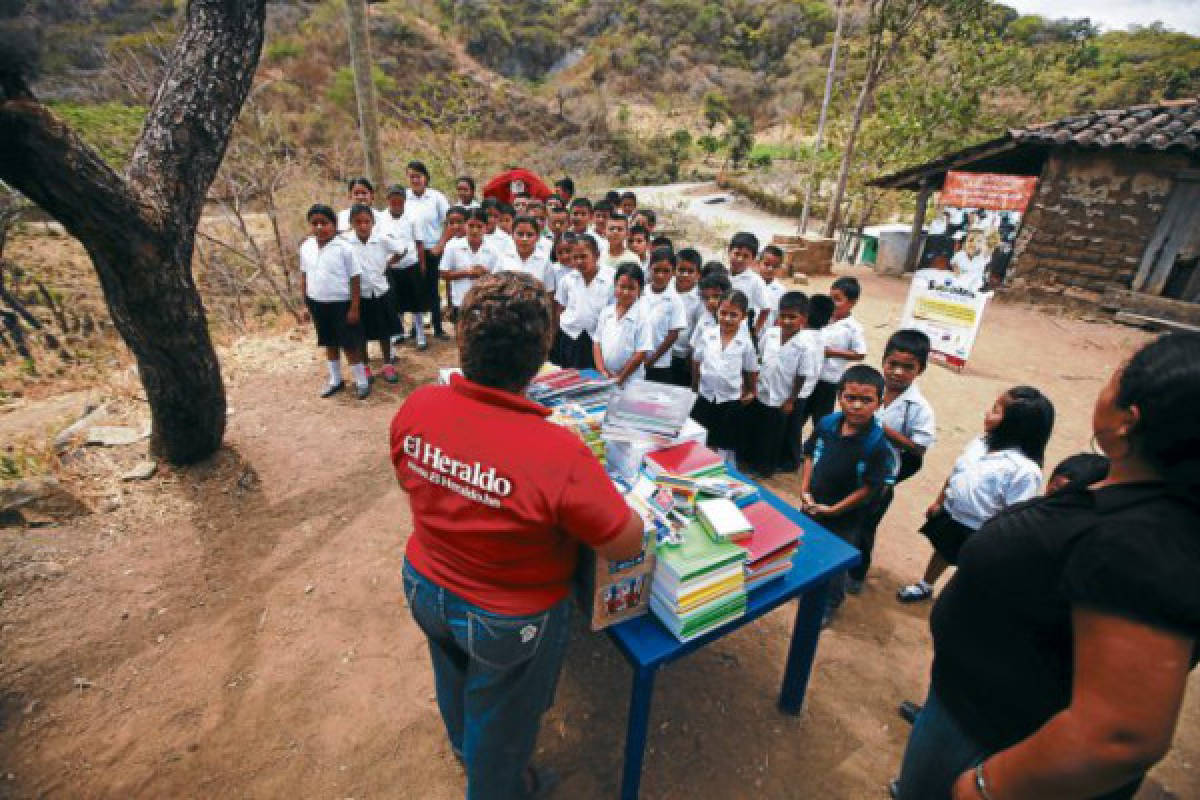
(646, 642)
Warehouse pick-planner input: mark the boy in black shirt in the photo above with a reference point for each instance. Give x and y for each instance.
(846, 462)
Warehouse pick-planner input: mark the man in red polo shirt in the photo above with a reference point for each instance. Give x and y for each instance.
(501, 500)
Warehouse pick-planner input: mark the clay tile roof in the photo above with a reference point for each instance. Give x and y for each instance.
(1161, 126)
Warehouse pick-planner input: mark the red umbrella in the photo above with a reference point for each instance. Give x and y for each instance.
(507, 185)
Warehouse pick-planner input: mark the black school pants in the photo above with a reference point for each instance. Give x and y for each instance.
(876, 508)
(433, 297)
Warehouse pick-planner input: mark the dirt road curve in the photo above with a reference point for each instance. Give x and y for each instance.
(236, 629)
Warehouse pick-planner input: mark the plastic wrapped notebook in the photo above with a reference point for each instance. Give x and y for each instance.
(648, 409)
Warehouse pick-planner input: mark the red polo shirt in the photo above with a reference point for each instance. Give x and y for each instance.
(500, 497)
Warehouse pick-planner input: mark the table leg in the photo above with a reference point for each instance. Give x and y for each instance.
(803, 648)
(635, 733)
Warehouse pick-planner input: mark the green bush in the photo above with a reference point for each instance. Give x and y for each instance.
(283, 50)
(341, 90)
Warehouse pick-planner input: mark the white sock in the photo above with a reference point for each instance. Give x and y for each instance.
(727, 456)
(419, 324)
(360, 374)
(335, 372)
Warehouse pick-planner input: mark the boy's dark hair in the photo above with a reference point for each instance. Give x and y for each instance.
(663, 254)
(1026, 425)
(590, 243)
(505, 209)
(462, 212)
(715, 280)
(662, 241)
(909, 340)
(477, 214)
(604, 206)
(320, 210)
(504, 326)
(361, 208)
(648, 213)
(746, 240)
(359, 182)
(467, 179)
(736, 297)
(628, 196)
(418, 166)
(612, 197)
(528, 220)
(711, 267)
(1082, 466)
(864, 375)
(633, 271)
(617, 216)
(848, 285)
(774, 250)
(581, 202)
(794, 301)
(820, 311)
(567, 185)
(639, 229)
(692, 256)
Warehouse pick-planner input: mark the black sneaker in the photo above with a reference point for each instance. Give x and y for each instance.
(330, 391)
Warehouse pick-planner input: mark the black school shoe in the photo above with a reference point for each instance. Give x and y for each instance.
(330, 391)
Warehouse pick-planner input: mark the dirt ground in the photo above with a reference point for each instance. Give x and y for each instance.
(236, 629)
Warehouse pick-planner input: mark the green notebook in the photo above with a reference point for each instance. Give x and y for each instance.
(697, 554)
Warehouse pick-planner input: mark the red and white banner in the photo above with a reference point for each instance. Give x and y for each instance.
(988, 190)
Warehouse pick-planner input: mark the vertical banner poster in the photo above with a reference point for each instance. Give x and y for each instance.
(948, 311)
(973, 232)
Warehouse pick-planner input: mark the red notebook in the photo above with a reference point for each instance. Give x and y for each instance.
(772, 531)
(682, 460)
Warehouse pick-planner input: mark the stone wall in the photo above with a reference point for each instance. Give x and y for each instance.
(1090, 221)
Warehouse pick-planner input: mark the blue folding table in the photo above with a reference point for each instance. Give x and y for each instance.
(647, 645)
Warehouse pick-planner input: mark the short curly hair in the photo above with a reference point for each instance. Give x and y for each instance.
(505, 328)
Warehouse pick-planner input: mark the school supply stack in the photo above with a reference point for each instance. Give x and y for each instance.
(772, 545)
(698, 584)
(584, 423)
(585, 387)
(624, 456)
(687, 460)
(647, 410)
(723, 520)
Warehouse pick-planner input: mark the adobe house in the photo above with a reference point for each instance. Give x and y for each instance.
(1115, 221)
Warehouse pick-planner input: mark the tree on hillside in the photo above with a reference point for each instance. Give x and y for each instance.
(890, 23)
(139, 225)
(716, 109)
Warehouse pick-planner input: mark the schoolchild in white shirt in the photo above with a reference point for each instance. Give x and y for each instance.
(618, 253)
(526, 257)
(790, 358)
(497, 238)
(724, 374)
(429, 208)
(464, 192)
(769, 265)
(375, 250)
(623, 335)
(404, 275)
(845, 344)
(580, 297)
(331, 279)
(665, 314)
(997, 470)
(463, 265)
(687, 274)
(910, 427)
(599, 231)
(713, 287)
(362, 192)
(820, 312)
(743, 251)
(638, 243)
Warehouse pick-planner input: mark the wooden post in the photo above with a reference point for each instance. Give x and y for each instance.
(914, 243)
(817, 140)
(364, 90)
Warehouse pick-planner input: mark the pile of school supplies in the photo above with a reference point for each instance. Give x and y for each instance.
(624, 456)
(648, 410)
(584, 423)
(722, 520)
(772, 545)
(699, 584)
(585, 387)
(687, 460)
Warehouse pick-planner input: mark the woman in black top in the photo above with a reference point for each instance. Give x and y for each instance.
(1063, 644)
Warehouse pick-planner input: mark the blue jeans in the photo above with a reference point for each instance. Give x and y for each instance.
(494, 676)
(938, 751)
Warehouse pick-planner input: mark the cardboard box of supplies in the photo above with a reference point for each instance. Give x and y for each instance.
(614, 591)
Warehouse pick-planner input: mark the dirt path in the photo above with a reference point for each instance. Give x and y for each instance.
(236, 629)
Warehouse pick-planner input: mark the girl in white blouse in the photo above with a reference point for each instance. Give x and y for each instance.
(623, 335)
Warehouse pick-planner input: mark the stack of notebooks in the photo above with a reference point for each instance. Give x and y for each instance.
(723, 520)
(584, 423)
(585, 387)
(770, 548)
(687, 460)
(698, 585)
(648, 410)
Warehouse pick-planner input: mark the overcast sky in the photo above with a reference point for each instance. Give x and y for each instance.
(1180, 15)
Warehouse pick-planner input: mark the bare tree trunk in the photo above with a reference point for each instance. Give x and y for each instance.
(918, 228)
(364, 90)
(139, 228)
(835, 204)
(820, 137)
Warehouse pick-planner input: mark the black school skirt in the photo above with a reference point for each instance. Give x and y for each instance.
(946, 534)
(575, 353)
(378, 315)
(332, 329)
(407, 291)
(723, 421)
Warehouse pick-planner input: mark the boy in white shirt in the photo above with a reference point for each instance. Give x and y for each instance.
(664, 314)
(769, 265)
(790, 356)
(462, 265)
(687, 274)
(618, 253)
(845, 344)
(527, 256)
(743, 250)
